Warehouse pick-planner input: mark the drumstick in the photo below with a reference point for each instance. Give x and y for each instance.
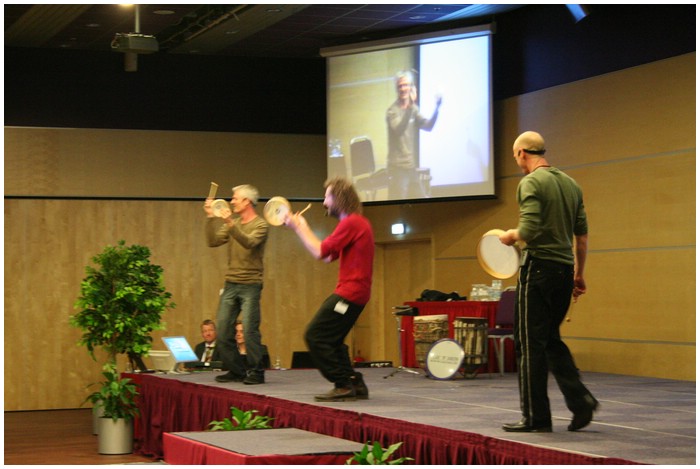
(307, 207)
(571, 309)
(212, 190)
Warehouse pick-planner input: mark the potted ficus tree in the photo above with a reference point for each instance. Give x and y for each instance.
(121, 302)
(117, 400)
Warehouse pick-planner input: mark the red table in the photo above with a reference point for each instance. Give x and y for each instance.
(453, 309)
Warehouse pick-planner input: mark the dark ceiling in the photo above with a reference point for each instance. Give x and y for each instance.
(293, 31)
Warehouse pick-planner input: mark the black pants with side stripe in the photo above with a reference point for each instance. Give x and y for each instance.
(543, 298)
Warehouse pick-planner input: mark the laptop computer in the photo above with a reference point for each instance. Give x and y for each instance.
(180, 349)
(182, 353)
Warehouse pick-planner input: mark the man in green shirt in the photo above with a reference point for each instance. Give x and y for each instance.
(552, 215)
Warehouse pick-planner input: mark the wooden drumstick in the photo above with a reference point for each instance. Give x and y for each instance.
(571, 309)
(307, 207)
(213, 187)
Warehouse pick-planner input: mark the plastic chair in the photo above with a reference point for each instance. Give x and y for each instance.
(505, 317)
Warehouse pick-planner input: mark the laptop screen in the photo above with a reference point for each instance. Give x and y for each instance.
(180, 348)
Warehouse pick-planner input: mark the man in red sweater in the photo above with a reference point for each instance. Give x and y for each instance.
(352, 242)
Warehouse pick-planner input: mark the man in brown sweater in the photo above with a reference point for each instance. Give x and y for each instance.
(245, 236)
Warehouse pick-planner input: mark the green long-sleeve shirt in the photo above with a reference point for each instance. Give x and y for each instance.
(551, 214)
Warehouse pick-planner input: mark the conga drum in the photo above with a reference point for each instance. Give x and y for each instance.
(426, 331)
(472, 334)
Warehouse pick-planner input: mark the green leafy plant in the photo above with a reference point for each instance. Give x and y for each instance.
(121, 302)
(117, 397)
(241, 420)
(377, 455)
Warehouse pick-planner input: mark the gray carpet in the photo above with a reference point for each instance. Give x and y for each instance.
(645, 420)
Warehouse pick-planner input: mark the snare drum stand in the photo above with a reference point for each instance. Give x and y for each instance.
(399, 312)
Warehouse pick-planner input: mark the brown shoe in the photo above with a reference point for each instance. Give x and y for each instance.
(361, 391)
(337, 395)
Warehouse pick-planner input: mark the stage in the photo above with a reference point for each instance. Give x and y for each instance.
(641, 420)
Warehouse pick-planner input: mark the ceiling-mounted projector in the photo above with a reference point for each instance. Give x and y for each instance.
(134, 42)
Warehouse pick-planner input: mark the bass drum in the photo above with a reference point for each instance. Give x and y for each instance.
(444, 359)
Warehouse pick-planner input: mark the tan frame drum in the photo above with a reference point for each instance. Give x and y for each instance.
(276, 210)
(218, 206)
(497, 259)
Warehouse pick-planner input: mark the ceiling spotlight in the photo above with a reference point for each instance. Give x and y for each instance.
(579, 12)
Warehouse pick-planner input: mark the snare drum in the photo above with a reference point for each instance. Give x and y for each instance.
(444, 359)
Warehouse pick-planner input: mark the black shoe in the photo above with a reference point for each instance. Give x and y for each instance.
(337, 395)
(524, 427)
(584, 416)
(254, 378)
(229, 378)
(361, 391)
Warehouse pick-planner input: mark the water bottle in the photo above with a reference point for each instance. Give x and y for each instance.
(474, 294)
(496, 289)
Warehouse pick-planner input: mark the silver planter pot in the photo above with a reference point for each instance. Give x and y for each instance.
(97, 413)
(115, 437)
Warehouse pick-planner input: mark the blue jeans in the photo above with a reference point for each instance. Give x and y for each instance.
(241, 300)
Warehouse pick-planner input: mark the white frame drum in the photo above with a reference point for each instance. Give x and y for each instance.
(497, 259)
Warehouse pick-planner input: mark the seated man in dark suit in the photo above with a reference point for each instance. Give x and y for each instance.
(206, 351)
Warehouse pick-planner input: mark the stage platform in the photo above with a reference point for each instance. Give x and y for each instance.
(275, 446)
(641, 420)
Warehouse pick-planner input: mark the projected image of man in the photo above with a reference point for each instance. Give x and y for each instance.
(404, 121)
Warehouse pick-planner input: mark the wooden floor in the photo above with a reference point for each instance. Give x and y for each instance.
(56, 437)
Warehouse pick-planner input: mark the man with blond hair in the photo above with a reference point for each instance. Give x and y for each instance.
(352, 241)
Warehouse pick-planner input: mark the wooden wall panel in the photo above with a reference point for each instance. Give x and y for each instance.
(634, 358)
(407, 271)
(627, 137)
(631, 113)
(137, 163)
